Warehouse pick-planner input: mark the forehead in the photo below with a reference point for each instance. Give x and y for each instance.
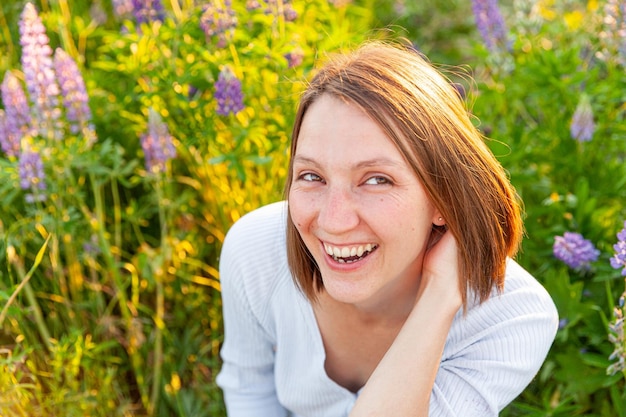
(332, 125)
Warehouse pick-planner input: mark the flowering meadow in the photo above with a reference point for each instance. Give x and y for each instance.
(133, 133)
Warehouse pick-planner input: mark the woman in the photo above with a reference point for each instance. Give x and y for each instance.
(393, 291)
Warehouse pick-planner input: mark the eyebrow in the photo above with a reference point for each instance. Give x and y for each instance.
(362, 164)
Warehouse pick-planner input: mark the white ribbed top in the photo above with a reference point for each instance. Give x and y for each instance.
(274, 356)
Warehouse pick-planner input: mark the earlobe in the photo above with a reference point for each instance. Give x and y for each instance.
(439, 221)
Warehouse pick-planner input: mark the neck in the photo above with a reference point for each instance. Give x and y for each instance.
(393, 305)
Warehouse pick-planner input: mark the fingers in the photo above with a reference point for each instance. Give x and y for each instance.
(440, 272)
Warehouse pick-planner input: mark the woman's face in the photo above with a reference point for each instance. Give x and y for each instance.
(358, 206)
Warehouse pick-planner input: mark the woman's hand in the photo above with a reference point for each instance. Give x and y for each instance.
(440, 271)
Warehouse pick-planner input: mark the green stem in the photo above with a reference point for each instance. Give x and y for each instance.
(30, 296)
(160, 302)
(120, 290)
(117, 217)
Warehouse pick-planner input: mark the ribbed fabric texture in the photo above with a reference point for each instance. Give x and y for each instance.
(274, 356)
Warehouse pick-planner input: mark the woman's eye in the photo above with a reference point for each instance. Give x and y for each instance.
(309, 176)
(377, 181)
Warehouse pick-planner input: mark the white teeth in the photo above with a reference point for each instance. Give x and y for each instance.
(347, 252)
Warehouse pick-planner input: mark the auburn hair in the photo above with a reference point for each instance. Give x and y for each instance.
(423, 114)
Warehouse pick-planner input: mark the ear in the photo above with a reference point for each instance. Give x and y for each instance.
(438, 219)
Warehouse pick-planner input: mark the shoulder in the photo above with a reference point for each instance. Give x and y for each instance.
(520, 285)
(253, 260)
(523, 304)
(264, 225)
(496, 348)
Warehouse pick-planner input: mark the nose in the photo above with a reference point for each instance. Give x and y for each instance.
(338, 211)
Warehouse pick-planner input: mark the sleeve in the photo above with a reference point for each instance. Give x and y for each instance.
(247, 373)
(498, 352)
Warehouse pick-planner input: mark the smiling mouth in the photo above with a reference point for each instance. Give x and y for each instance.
(348, 255)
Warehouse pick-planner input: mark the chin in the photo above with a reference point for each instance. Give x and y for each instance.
(346, 291)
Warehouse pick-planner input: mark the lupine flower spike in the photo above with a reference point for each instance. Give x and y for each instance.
(490, 24)
(122, 8)
(613, 35)
(75, 99)
(282, 8)
(146, 11)
(616, 336)
(574, 250)
(583, 126)
(218, 20)
(157, 144)
(39, 74)
(618, 261)
(616, 327)
(32, 176)
(228, 93)
(294, 58)
(16, 115)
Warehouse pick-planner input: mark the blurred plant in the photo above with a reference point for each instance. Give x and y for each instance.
(583, 126)
(39, 74)
(32, 177)
(219, 20)
(490, 24)
(616, 327)
(228, 93)
(125, 225)
(16, 116)
(157, 144)
(613, 32)
(618, 260)
(576, 251)
(75, 99)
(146, 11)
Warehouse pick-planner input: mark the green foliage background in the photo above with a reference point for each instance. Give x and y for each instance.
(134, 328)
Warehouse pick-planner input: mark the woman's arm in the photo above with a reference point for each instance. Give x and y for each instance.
(402, 383)
(247, 374)
(490, 357)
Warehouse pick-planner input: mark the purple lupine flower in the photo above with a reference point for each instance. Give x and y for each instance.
(282, 9)
(294, 58)
(123, 8)
(157, 144)
(582, 125)
(218, 21)
(91, 247)
(39, 74)
(146, 11)
(490, 24)
(16, 114)
(618, 260)
(616, 337)
(228, 93)
(32, 176)
(252, 5)
(398, 6)
(613, 37)
(75, 99)
(574, 250)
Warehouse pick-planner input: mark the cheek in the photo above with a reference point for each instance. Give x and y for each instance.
(299, 210)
